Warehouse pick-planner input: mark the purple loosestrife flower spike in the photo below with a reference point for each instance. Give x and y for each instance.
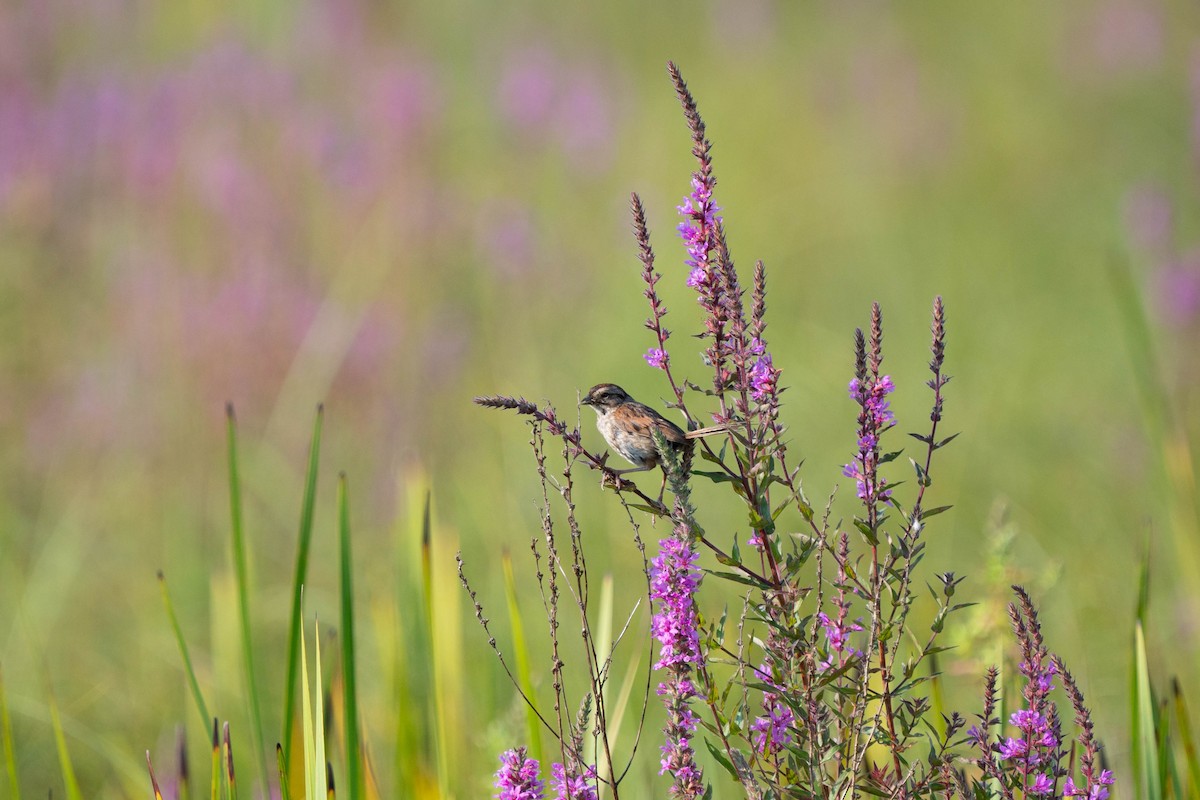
(517, 778)
(572, 787)
(657, 358)
(773, 731)
(674, 579)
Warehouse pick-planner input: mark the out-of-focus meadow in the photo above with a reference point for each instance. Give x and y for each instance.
(389, 208)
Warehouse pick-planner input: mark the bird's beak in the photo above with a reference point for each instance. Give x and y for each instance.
(587, 401)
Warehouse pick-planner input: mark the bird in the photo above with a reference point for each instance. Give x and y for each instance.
(627, 426)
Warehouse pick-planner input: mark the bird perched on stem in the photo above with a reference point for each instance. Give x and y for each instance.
(627, 426)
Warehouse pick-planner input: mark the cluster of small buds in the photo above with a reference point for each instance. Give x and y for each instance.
(773, 731)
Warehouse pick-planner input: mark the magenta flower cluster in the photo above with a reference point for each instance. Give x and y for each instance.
(837, 637)
(674, 579)
(572, 787)
(764, 378)
(1097, 791)
(1032, 749)
(875, 416)
(773, 731)
(657, 358)
(517, 778)
(701, 220)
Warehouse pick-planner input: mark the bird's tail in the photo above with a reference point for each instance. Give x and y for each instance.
(711, 430)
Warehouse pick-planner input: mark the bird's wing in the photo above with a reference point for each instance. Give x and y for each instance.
(670, 431)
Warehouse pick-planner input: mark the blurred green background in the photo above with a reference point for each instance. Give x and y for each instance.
(390, 208)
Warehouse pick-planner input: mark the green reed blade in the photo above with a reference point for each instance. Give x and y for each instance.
(216, 761)
(197, 695)
(229, 764)
(1146, 754)
(285, 791)
(319, 774)
(70, 782)
(1187, 741)
(153, 780)
(354, 785)
(301, 575)
(185, 780)
(10, 755)
(241, 573)
(310, 793)
(533, 726)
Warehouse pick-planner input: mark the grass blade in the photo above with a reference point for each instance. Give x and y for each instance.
(285, 791)
(216, 761)
(301, 575)
(241, 574)
(153, 780)
(310, 792)
(1147, 765)
(354, 782)
(70, 782)
(185, 789)
(1186, 740)
(533, 726)
(10, 755)
(197, 695)
(320, 769)
(229, 765)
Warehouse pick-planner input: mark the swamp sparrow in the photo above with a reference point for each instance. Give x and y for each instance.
(627, 424)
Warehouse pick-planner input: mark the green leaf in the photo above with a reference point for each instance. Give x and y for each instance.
(886, 457)
(946, 441)
(194, 684)
(70, 783)
(933, 512)
(720, 758)
(715, 477)
(242, 583)
(355, 784)
(737, 577)
(1146, 754)
(299, 577)
(10, 757)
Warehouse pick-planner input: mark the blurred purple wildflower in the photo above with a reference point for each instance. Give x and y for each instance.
(657, 358)
(572, 787)
(527, 89)
(1179, 289)
(517, 778)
